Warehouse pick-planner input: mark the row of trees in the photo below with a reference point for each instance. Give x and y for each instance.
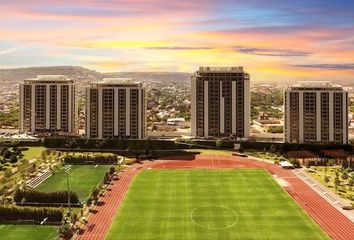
(90, 158)
(95, 191)
(12, 213)
(32, 196)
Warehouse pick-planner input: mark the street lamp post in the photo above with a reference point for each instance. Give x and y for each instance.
(67, 169)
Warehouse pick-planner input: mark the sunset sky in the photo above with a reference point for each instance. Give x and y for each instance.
(278, 40)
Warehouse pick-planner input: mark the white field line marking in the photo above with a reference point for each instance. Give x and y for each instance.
(214, 228)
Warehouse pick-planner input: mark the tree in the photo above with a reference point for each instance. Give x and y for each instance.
(66, 231)
(44, 155)
(95, 191)
(241, 150)
(272, 148)
(345, 175)
(13, 158)
(326, 179)
(112, 170)
(351, 182)
(106, 178)
(219, 143)
(6, 154)
(336, 182)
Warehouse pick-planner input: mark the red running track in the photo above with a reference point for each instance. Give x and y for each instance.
(332, 221)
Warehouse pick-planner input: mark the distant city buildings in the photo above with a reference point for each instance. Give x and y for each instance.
(220, 102)
(316, 112)
(47, 104)
(115, 108)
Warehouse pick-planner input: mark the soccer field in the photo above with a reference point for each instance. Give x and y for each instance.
(210, 204)
(28, 232)
(81, 179)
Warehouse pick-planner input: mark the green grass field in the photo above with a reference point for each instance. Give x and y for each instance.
(27, 232)
(81, 180)
(33, 152)
(225, 153)
(210, 204)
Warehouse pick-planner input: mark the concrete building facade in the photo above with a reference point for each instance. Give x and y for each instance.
(47, 105)
(316, 112)
(220, 98)
(115, 108)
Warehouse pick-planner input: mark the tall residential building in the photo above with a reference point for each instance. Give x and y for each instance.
(115, 108)
(316, 112)
(220, 102)
(47, 104)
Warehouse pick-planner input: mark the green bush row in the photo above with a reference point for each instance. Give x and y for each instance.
(11, 213)
(79, 143)
(32, 196)
(86, 158)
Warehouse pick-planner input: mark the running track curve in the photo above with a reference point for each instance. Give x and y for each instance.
(333, 222)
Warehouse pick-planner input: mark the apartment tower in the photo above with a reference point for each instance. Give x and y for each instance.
(316, 112)
(220, 102)
(47, 105)
(115, 108)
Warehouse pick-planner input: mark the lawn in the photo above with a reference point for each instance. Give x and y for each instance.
(33, 152)
(28, 232)
(210, 204)
(226, 153)
(81, 180)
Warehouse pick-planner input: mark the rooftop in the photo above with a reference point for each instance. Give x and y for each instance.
(221, 69)
(50, 78)
(117, 81)
(316, 86)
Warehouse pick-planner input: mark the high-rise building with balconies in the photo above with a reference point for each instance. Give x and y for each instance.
(316, 112)
(47, 105)
(220, 102)
(115, 108)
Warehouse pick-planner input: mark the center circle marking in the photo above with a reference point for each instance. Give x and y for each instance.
(206, 217)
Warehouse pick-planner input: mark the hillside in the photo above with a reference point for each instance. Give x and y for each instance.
(84, 76)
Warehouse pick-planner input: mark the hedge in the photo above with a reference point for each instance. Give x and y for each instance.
(89, 158)
(32, 196)
(227, 144)
(116, 144)
(11, 214)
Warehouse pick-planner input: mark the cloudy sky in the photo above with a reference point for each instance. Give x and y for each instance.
(272, 39)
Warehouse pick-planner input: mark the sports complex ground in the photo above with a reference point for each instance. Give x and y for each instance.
(200, 200)
(28, 232)
(81, 179)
